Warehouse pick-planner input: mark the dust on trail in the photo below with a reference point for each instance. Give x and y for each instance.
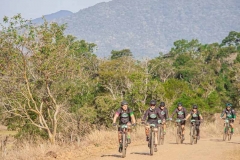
(207, 149)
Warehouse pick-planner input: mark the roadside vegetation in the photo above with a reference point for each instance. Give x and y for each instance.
(54, 89)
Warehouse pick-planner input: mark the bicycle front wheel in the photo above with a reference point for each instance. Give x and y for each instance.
(178, 135)
(151, 142)
(229, 134)
(225, 133)
(124, 148)
(191, 135)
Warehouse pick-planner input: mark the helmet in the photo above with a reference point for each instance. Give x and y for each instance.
(228, 105)
(162, 104)
(124, 103)
(179, 104)
(195, 106)
(153, 102)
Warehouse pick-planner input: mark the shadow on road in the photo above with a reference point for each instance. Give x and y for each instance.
(140, 153)
(234, 142)
(216, 140)
(112, 155)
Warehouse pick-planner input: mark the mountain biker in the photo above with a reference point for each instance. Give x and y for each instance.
(163, 115)
(230, 114)
(181, 114)
(195, 115)
(152, 115)
(126, 116)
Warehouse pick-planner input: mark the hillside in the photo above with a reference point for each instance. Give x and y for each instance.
(53, 16)
(150, 26)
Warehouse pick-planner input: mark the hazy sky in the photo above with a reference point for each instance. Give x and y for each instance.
(31, 9)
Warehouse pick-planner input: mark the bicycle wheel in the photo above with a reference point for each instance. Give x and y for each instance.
(225, 133)
(178, 135)
(162, 136)
(124, 148)
(229, 134)
(191, 135)
(195, 135)
(159, 135)
(151, 142)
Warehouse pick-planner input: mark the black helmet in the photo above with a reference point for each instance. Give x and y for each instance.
(124, 103)
(195, 106)
(153, 102)
(162, 104)
(179, 104)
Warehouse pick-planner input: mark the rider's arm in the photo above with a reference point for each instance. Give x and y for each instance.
(173, 113)
(132, 117)
(145, 115)
(234, 114)
(201, 118)
(223, 112)
(188, 116)
(116, 116)
(166, 115)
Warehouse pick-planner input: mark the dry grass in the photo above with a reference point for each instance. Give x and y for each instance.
(100, 141)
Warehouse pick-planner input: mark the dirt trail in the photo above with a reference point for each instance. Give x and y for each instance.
(207, 149)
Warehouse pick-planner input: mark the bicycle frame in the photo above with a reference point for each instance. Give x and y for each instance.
(179, 134)
(123, 131)
(160, 132)
(151, 138)
(227, 129)
(193, 131)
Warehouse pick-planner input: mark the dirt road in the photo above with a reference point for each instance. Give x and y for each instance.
(207, 149)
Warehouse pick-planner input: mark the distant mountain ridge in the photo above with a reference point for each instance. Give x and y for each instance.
(147, 27)
(53, 16)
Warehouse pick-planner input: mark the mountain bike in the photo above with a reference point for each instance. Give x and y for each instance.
(227, 129)
(161, 132)
(123, 145)
(151, 143)
(193, 131)
(179, 135)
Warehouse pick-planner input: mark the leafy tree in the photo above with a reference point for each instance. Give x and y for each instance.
(121, 53)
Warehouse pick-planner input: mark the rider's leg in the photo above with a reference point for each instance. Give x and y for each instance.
(156, 138)
(147, 127)
(156, 133)
(232, 129)
(164, 127)
(198, 130)
(183, 131)
(129, 133)
(119, 137)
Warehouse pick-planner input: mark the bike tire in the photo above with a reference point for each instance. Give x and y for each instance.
(178, 135)
(159, 135)
(191, 135)
(225, 133)
(162, 137)
(195, 135)
(229, 134)
(124, 147)
(151, 142)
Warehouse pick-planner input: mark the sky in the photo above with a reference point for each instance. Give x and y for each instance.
(31, 9)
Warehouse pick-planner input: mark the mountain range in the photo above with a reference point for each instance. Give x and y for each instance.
(148, 27)
(53, 16)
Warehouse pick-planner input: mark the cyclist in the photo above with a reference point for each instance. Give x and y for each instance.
(181, 114)
(163, 115)
(195, 115)
(152, 115)
(230, 114)
(126, 116)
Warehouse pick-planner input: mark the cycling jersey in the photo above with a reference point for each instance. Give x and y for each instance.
(124, 116)
(229, 113)
(181, 114)
(152, 116)
(163, 113)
